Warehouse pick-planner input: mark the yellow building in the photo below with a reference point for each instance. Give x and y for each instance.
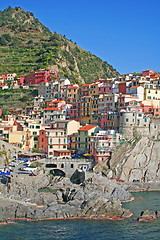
(73, 94)
(34, 127)
(151, 92)
(20, 137)
(86, 109)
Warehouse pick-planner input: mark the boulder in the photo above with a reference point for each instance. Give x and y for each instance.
(146, 216)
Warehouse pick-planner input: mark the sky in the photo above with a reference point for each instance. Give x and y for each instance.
(125, 33)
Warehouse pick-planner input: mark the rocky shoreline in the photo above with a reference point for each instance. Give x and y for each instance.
(45, 197)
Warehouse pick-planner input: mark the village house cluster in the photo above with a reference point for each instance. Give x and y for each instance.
(93, 119)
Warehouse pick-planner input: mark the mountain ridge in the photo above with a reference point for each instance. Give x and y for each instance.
(26, 44)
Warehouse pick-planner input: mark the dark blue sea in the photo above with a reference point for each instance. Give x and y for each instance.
(92, 229)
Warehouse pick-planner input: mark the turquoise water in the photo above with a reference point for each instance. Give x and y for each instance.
(91, 229)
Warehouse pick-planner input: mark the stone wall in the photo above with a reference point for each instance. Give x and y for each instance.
(68, 166)
(151, 131)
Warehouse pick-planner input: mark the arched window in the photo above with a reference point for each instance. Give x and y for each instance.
(62, 165)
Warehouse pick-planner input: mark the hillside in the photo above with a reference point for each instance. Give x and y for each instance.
(26, 45)
(17, 98)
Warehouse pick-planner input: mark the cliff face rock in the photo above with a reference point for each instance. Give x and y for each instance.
(97, 197)
(136, 161)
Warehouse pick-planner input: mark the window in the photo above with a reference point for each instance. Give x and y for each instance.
(145, 119)
(62, 165)
(127, 120)
(59, 140)
(42, 139)
(51, 141)
(64, 146)
(157, 110)
(71, 165)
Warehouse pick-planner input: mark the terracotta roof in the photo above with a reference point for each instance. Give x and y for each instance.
(54, 101)
(87, 84)
(73, 87)
(51, 109)
(87, 127)
(134, 87)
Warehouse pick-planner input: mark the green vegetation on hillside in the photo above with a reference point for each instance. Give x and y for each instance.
(15, 98)
(26, 45)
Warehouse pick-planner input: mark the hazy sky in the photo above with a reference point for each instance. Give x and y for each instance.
(125, 33)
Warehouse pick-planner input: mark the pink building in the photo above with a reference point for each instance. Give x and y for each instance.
(156, 112)
(134, 106)
(105, 88)
(39, 76)
(20, 81)
(147, 73)
(102, 144)
(109, 120)
(53, 140)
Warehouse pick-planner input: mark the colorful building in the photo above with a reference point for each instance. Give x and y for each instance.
(83, 137)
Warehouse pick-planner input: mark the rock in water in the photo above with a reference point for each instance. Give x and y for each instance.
(147, 216)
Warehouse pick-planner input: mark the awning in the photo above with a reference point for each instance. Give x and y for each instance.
(87, 155)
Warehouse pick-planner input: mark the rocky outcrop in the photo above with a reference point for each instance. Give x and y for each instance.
(148, 215)
(136, 160)
(43, 197)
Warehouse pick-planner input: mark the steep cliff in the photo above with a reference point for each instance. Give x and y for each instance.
(135, 160)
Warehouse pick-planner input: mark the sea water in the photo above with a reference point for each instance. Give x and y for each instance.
(92, 229)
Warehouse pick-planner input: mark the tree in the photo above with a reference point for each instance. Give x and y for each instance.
(3, 42)
(7, 37)
(5, 112)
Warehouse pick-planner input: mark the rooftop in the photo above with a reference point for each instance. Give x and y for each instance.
(51, 109)
(87, 127)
